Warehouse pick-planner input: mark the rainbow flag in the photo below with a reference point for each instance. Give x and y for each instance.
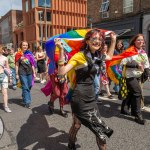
(73, 38)
(112, 66)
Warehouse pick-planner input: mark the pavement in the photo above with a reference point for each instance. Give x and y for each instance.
(36, 129)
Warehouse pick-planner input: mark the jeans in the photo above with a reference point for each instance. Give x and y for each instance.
(116, 87)
(26, 83)
(13, 76)
(97, 84)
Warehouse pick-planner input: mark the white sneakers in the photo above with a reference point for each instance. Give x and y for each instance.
(43, 81)
(7, 109)
(37, 79)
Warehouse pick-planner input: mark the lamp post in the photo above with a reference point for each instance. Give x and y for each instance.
(90, 20)
(45, 22)
(41, 28)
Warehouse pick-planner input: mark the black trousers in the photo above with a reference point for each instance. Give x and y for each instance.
(134, 96)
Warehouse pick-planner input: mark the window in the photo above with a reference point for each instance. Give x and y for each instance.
(105, 14)
(41, 16)
(44, 3)
(32, 3)
(48, 16)
(26, 5)
(105, 8)
(127, 6)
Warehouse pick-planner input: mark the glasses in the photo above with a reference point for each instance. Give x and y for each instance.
(140, 40)
(95, 39)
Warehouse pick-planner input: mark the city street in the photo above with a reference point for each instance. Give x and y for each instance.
(36, 129)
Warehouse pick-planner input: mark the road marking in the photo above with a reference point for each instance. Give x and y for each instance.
(106, 98)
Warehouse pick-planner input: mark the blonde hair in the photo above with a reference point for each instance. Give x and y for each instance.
(38, 48)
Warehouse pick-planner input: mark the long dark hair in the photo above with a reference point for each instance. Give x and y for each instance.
(122, 48)
(88, 35)
(132, 41)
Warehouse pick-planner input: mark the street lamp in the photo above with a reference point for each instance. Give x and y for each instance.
(45, 21)
(41, 28)
(90, 20)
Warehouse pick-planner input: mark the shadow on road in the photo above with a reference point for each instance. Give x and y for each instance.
(17, 101)
(36, 133)
(110, 109)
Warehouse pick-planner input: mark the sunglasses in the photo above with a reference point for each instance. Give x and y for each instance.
(95, 39)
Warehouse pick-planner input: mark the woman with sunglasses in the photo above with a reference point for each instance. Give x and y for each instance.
(84, 65)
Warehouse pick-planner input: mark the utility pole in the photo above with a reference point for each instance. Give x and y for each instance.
(45, 21)
(41, 29)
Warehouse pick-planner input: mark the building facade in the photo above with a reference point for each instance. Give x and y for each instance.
(8, 23)
(45, 18)
(126, 17)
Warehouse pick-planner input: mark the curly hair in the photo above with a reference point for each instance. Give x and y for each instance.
(90, 34)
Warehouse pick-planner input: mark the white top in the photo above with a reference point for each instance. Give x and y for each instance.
(140, 58)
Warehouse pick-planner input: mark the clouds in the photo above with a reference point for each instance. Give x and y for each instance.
(6, 5)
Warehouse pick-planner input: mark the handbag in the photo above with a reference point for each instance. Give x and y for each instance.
(123, 91)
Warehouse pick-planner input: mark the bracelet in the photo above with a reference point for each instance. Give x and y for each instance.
(61, 62)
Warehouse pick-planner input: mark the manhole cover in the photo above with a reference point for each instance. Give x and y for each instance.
(1, 127)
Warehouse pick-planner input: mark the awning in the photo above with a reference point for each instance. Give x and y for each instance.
(122, 32)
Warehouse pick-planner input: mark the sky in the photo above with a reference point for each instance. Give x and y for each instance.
(6, 5)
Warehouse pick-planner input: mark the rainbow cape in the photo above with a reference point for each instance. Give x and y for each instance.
(111, 66)
(73, 38)
(29, 56)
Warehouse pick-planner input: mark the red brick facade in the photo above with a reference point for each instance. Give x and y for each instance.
(7, 26)
(64, 14)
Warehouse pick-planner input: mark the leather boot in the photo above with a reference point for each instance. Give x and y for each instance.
(139, 119)
(63, 113)
(51, 107)
(108, 132)
(71, 147)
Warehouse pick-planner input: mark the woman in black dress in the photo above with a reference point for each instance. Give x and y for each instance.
(41, 65)
(85, 64)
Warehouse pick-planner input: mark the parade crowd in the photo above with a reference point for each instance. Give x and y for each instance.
(80, 80)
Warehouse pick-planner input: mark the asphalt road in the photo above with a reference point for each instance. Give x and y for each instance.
(36, 129)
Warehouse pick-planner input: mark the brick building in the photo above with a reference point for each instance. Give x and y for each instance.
(42, 20)
(126, 17)
(8, 22)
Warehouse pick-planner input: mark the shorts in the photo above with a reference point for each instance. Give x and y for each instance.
(4, 84)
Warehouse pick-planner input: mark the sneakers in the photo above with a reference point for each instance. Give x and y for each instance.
(14, 87)
(7, 109)
(43, 81)
(37, 78)
(27, 106)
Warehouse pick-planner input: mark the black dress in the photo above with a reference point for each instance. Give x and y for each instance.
(41, 66)
(83, 102)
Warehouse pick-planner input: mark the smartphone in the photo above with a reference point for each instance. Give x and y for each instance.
(65, 46)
